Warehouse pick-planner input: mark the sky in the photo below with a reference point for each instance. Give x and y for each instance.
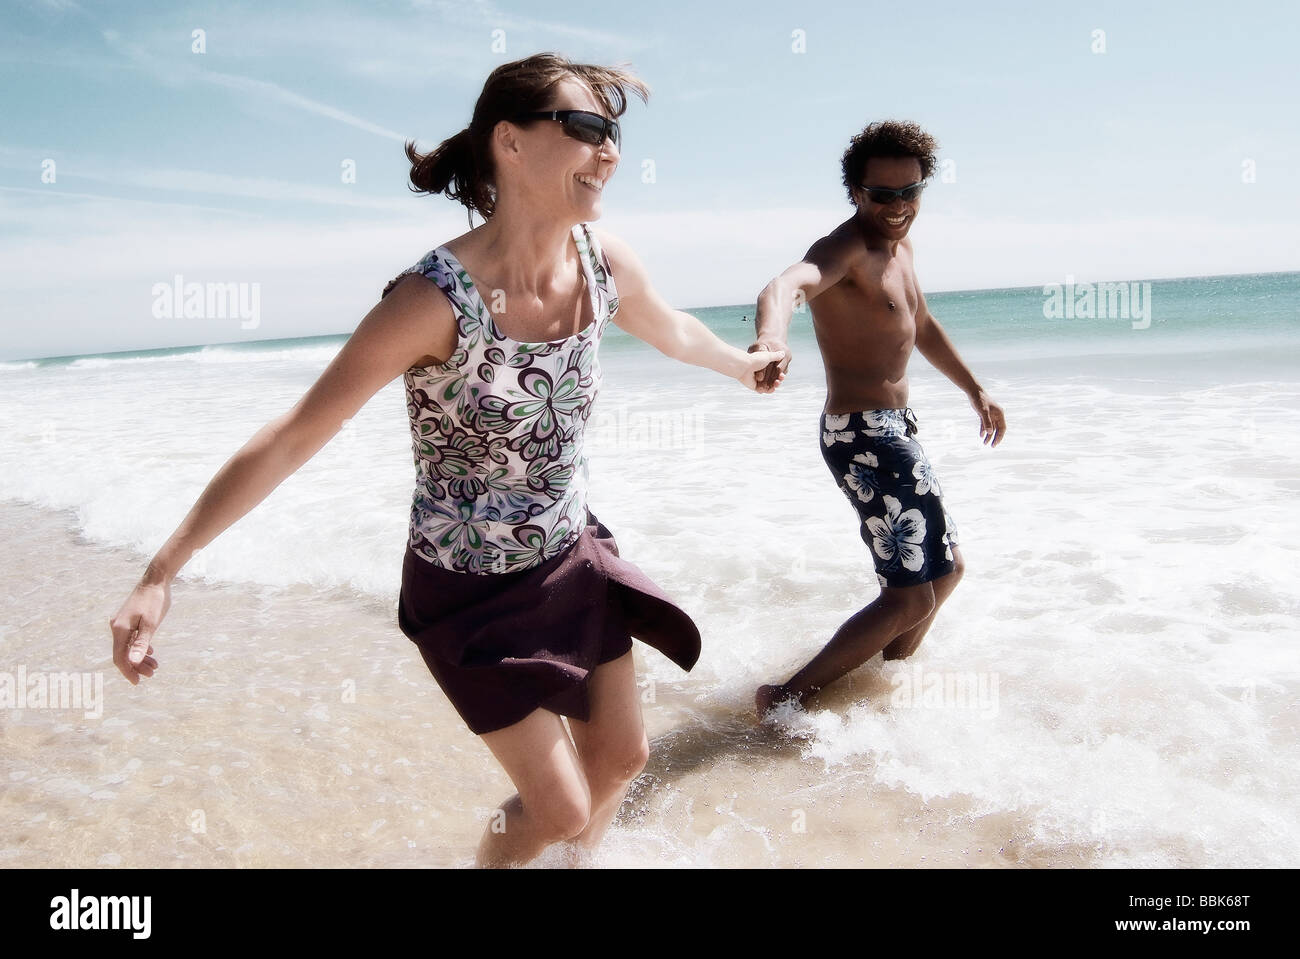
(1100, 141)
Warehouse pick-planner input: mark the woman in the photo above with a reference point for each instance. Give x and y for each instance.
(513, 592)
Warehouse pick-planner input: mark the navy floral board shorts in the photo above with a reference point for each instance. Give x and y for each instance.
(884, 472)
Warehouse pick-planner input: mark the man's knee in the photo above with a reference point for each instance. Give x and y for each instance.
(900, 648)
(958, 567)
(912, 604)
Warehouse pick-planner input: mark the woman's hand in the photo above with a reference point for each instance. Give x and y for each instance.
(760, 360)
(769, 378)
(133, 628)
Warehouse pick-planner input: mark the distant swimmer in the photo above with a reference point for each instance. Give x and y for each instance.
(868, 314)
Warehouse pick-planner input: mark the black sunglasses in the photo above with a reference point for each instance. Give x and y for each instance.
(884, 195)
(588, 127)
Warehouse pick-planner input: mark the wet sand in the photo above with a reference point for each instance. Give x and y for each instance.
(295, 727)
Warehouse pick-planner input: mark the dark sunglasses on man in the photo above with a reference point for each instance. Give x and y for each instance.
(885, 195)
(580, 124)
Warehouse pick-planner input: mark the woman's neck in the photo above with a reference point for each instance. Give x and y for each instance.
(525, 254)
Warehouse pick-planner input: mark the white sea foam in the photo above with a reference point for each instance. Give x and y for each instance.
(214, 355)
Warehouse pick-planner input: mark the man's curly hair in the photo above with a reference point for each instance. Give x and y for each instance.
(887, 138)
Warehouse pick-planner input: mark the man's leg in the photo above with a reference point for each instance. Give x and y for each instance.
(864, 634)
(906, 644)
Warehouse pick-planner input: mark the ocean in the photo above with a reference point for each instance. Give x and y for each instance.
(1114, 682)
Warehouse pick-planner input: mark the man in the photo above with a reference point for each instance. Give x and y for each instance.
(868, 314)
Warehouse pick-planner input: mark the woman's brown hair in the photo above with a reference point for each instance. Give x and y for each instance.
(461, 167)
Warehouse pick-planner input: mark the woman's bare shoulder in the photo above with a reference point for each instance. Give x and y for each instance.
(623, 259)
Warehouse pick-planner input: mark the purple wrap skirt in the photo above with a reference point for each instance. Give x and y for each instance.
(502, 645)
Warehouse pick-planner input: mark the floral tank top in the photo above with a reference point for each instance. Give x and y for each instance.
(497, 430)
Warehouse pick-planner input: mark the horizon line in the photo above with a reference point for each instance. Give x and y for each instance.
(719, 306)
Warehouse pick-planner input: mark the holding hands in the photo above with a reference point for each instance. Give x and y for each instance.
(766, 368)
(769, 377)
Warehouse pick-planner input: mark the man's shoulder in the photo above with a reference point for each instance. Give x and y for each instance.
(843, 244)
(846, 233)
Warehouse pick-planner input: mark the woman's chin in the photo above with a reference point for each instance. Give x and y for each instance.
(583, 209)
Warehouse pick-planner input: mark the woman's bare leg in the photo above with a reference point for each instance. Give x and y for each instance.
(612, 744)
(553, 803)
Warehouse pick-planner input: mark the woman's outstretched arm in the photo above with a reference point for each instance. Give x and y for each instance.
(412, 323)
(645, 314)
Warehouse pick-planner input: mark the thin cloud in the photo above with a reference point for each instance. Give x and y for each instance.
(174, 70)
(53, 192)
(258, 188)
(290, 98)
(102, 170)
(59, 6)
(396, 51)
(487, 14)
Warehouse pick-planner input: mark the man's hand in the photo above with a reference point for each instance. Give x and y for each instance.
(768, 378)
(993, 422)
(759, 362)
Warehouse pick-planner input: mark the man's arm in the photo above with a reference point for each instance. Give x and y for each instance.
(681, 336)
(825, 264)
(934, 345)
